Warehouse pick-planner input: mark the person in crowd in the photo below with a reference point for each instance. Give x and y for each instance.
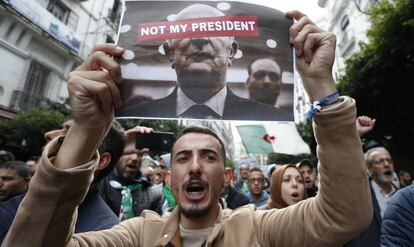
(309, 176)
(125, 190)
(231, 198)
(287, 187)
(264, 81)
(14, 181)
(201, 66)
(169, 201)
(198, 164)
(157, 179)
(6, 156)
(405, 178)
(241, 185)
(397, 227)
(32, 163)
(148, 173)
(380, 168)
(161, 168)
(256, 183)
(93, 214)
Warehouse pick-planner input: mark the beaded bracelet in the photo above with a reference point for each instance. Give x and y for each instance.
(317, 104)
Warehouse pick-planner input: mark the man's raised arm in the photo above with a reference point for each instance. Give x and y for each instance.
(342, 207)
(45, 215)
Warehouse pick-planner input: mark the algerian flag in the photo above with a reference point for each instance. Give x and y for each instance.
(272, 138)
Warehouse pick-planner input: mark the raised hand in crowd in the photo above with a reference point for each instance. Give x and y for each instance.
(93, 91)
(315, 54)
(364, 124)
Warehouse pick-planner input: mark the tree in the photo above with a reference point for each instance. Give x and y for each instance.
(379, 76)
(23, 135)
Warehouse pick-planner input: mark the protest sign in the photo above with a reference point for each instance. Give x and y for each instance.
(205, 60)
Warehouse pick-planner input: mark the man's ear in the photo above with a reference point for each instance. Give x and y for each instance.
(168, 51)
(233, 51)
(167, 178)
(228, 175)
(105, 159)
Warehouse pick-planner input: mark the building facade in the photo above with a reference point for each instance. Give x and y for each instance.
(349, 20)
(41, 41)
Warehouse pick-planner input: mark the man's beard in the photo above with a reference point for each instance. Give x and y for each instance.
(191, 213)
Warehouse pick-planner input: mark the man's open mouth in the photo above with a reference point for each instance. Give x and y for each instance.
(388, 172)
(195, 190)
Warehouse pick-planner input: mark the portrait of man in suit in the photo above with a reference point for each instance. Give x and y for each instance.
(201, 92)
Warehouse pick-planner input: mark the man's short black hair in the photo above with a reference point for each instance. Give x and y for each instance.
(201, 130)
(305, 162)
(256, 169)
(23, 170)
(113, 143)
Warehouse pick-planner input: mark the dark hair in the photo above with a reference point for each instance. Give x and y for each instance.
(256, 169)
(305, 162)
(22, 169)
(201, 130)
(113, 143)
(402, 173)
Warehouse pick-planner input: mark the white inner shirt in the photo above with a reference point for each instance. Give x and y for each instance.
(215, 103)
(194, 238)
(382, 197)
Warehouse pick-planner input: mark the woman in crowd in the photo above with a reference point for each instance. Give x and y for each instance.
(287, 187)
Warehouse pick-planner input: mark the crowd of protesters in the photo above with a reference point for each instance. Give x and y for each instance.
(90, 177)
(123, 188)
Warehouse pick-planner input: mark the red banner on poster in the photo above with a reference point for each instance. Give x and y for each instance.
(237, 26)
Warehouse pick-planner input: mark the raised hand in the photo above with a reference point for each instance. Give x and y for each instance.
(134, 133)
(93, 87)
(315, 54)
(364, 125)
(93, 91)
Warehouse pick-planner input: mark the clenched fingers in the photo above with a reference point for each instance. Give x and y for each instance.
(89, 98)
(99, 60)
(103, 77)
(110, 49)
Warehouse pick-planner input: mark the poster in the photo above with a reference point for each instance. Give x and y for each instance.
(205, 60)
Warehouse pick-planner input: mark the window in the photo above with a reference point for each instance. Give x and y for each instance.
(36, 80)
(58, 9)
(344, 22)
(73, 21)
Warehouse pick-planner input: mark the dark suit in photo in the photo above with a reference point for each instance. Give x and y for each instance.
(236, 108)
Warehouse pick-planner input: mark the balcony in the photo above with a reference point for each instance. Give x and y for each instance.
(42, 18)
(21, 101)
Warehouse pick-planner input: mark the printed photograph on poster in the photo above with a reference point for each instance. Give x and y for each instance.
(205, 60)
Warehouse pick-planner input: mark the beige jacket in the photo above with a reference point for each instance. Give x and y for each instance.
(341, 210)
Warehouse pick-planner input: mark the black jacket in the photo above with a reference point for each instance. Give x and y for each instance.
(235, 108)
(370, 237)
(236, 199)
(147, 197)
